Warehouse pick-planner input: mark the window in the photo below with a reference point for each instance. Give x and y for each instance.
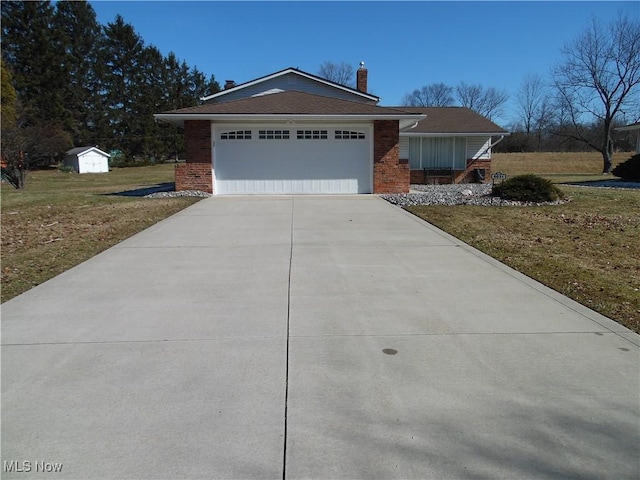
(237, 135)
(273, 134)
(311, 134)
(414, 153)
(348, 135)
(438, 152)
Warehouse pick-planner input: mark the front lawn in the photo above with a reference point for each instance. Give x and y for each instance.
(63, 219)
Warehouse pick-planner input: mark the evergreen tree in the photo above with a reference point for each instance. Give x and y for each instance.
(31, 49)
(121, 53)
(80, 37)
(9, 98)
(80, 83)
(149, 101)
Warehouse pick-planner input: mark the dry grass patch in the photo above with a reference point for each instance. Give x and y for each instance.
(586, 249)
(554, 163)
(63, 219)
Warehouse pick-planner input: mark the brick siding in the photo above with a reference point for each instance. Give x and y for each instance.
(194, 176)
(197, 173)
(390, 174)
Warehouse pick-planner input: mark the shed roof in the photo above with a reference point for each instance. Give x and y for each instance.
(79, 150)
(453, 120)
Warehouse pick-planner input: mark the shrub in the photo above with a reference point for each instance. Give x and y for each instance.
(65, 168)
(527, 188)
(629, 169)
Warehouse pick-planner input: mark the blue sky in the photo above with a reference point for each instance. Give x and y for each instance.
(405, 45)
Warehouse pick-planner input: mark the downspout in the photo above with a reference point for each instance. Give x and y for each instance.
(488, 148)
(469, 169)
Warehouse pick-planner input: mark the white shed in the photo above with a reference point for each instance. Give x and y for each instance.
(87, 160)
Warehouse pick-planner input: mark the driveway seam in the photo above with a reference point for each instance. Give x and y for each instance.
(286, 382)
(453, 334)
(116, 342)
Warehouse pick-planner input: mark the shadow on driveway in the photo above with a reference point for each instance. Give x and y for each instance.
(141, 192)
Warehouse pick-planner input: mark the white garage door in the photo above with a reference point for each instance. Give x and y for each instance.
(286, 159)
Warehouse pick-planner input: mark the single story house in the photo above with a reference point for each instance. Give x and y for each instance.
(87, 160)
(294, 132)
(630, 128)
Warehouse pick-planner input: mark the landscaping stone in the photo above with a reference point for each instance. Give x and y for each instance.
(455, 194)
(181, 193)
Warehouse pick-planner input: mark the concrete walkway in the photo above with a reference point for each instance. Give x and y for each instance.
(311, 337)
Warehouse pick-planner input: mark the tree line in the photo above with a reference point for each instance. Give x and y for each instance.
(577, 106)
(69, 81)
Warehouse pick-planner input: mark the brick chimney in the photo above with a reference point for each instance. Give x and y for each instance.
(229, 84)
(361, 78)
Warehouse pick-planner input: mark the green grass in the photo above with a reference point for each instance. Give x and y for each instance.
(586, 249)
(63, 219)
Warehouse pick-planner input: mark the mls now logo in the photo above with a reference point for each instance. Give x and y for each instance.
(26, 466)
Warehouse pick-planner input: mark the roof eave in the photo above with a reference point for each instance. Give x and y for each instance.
(179, 118)
(453, 134)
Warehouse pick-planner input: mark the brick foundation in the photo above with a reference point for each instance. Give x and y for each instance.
(194, 176)
(197, 173)
(390, 174)
(467, 175)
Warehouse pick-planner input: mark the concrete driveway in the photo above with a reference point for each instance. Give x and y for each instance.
(311, 337)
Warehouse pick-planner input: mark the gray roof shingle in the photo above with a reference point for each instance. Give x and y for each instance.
(291, 103)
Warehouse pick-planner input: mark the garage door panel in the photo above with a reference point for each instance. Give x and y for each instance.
(244, 166)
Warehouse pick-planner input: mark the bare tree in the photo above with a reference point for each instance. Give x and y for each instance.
(598, 81)
(487, 102)
(434, 95)
(534, 107)
(15, 164)
(341, 73)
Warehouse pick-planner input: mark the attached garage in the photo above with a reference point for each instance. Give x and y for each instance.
(292, 133)
(292, 158)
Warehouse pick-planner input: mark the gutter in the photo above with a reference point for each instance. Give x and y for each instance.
(454, 134)
(410, 127)
(492, 145)
(486, 150)
(178, 118)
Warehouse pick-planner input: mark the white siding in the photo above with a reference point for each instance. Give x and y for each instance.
(292, 81)
(476, 146)
(92, 162)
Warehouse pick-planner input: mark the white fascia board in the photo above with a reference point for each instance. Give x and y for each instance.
(285, 72)
(177, 118)
(470, 134)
